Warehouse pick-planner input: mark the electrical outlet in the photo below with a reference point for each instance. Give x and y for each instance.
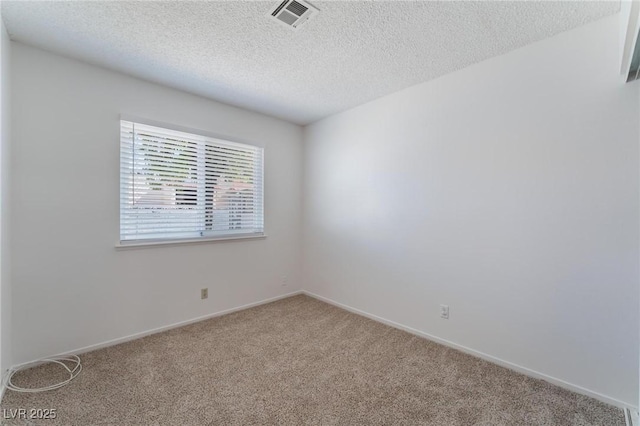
(204, 293)
(285, 280)
(444, 311)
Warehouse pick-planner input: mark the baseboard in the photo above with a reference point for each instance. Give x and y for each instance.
(3, 387)
(515, 367)
(631, 417)
(161, 329)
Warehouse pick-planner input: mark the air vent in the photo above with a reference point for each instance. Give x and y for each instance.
(293, 13)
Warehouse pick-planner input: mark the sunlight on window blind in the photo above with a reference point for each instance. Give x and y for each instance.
(177, 185)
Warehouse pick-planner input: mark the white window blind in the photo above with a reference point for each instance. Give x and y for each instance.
(177, 185)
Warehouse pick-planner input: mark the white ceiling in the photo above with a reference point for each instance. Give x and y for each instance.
(350, 53)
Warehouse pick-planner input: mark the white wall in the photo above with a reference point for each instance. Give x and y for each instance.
(507, 190)
(5, 132)
(71, 288)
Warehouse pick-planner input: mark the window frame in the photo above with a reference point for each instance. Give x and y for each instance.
(153, 242)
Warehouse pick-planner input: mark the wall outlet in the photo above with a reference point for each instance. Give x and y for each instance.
(204, 293)
(284, 281)
(444, 311)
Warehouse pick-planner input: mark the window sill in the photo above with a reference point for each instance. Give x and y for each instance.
(161, 243)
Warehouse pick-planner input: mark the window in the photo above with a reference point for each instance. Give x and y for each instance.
(176, 185)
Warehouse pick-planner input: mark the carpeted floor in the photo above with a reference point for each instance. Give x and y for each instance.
(299, 361)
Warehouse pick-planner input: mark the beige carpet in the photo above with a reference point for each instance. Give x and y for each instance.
(299, 361)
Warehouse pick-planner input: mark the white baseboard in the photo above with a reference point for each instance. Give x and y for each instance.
(161, 329)
(515, 367)
(631, 417)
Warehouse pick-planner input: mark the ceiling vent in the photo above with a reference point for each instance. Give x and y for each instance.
(293, 13)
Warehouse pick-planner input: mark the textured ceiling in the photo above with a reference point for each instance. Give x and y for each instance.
(350, 53)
